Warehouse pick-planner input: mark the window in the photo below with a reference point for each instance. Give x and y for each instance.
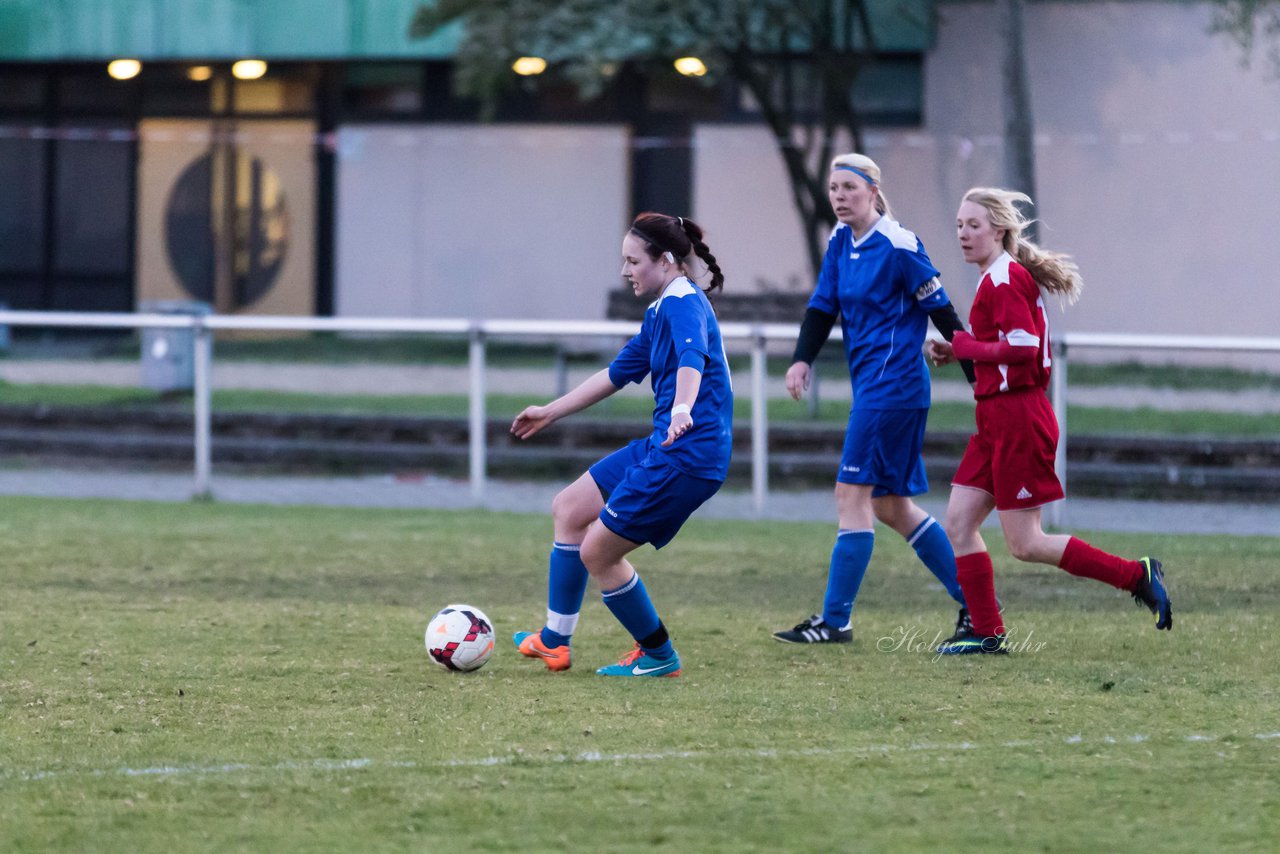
(383, 88)
(889, 91)
(22, 174)
(92, 200)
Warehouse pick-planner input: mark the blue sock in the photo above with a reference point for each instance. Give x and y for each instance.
(849, 561)
(934, 549)
(631, 604)
(566, 585)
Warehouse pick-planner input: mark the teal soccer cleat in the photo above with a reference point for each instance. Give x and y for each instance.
(1152, 593)
(638, 663)
(967, 643)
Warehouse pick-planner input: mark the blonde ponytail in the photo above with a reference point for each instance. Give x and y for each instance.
(1054, 272)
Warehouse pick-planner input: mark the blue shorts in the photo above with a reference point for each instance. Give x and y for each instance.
(882, 448)
(646, 498)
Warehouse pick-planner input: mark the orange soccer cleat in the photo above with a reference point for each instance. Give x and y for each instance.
(530, 645)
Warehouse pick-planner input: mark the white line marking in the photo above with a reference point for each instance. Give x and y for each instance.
(590, 756)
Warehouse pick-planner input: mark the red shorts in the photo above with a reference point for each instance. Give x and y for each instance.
(1011, 456)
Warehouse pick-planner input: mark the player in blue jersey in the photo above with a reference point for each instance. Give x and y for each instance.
(644, 492)
(877, 279)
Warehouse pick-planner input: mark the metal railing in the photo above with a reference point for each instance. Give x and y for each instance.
(478, 332)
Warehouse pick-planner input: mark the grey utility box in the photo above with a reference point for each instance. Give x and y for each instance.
(168, 355)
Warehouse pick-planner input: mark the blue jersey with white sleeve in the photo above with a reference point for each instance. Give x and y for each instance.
(680, 330)
(883, 288)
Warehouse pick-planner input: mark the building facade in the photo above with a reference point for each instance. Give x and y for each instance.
(350, 180)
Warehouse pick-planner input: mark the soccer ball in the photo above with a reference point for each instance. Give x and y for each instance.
(460, 638)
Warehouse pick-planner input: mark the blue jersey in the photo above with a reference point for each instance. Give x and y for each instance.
(883, 288)
(680, 329)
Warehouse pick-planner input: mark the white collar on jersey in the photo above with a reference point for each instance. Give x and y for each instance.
(998, 271)
(680, 286)
(875, 226)
(893, 231)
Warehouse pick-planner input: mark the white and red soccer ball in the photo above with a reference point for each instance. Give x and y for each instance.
(460, 638)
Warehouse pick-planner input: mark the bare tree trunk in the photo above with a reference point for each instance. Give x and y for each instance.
(1019, 125)
(808, 191)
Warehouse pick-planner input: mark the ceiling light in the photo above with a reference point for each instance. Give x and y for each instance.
(124, 69)
(690, 66)
(528, 66)
(249, 69)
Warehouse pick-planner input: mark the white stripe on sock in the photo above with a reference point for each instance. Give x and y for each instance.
(562, 624)
(924, 526)
(635, 579)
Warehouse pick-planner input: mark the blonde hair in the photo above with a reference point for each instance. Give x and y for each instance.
(1053, 271)
(865, 164)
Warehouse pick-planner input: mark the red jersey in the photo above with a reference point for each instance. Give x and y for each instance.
(1008, 307)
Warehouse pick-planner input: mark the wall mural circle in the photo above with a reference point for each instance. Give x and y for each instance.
(230, 202)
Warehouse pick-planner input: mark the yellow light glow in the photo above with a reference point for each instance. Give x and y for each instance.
(249, 69)
(199, 73)
(690, 66)
(124, 69)
(528, 66)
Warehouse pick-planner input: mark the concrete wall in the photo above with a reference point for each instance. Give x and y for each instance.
(1158, 167)
(480, 221)
(1158, 158)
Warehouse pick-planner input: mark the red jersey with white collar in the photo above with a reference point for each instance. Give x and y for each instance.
(1008, 307)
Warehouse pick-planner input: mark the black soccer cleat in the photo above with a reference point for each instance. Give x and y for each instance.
(814, 630)
(967, 643)
(964, 622)
(964, 625)
(1152, 593)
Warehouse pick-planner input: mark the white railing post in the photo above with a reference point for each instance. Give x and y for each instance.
(203, 403)
(759, 335)
(1058, 389)
(759, 421)
(477, 413)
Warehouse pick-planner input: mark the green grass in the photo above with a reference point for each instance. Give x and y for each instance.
(247, 678)
(942, 416)
(316, 347)
(1171, 376)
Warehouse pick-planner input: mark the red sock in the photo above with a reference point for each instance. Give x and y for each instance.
(978, 583)
(1080, 558)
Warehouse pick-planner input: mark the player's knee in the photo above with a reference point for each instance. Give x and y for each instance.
(963, 539)
(887, 514)
(594, 557)
(568, 509)
(960, 527)
(590, 557)
(1026, 549)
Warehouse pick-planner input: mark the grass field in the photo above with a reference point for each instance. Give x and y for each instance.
(210, 677)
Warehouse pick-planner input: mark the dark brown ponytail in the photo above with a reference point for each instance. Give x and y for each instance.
(680, 237)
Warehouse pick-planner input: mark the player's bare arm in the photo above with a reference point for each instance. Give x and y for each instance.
(688, 381)
(533, 419)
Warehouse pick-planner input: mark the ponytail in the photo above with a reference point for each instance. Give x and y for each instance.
(682, 238)
(1054, 272)
(694, 232)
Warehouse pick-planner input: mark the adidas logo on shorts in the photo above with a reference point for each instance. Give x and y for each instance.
(1023, 493)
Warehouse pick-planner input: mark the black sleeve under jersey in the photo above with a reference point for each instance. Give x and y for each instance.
(946, 321)
(814, 332)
